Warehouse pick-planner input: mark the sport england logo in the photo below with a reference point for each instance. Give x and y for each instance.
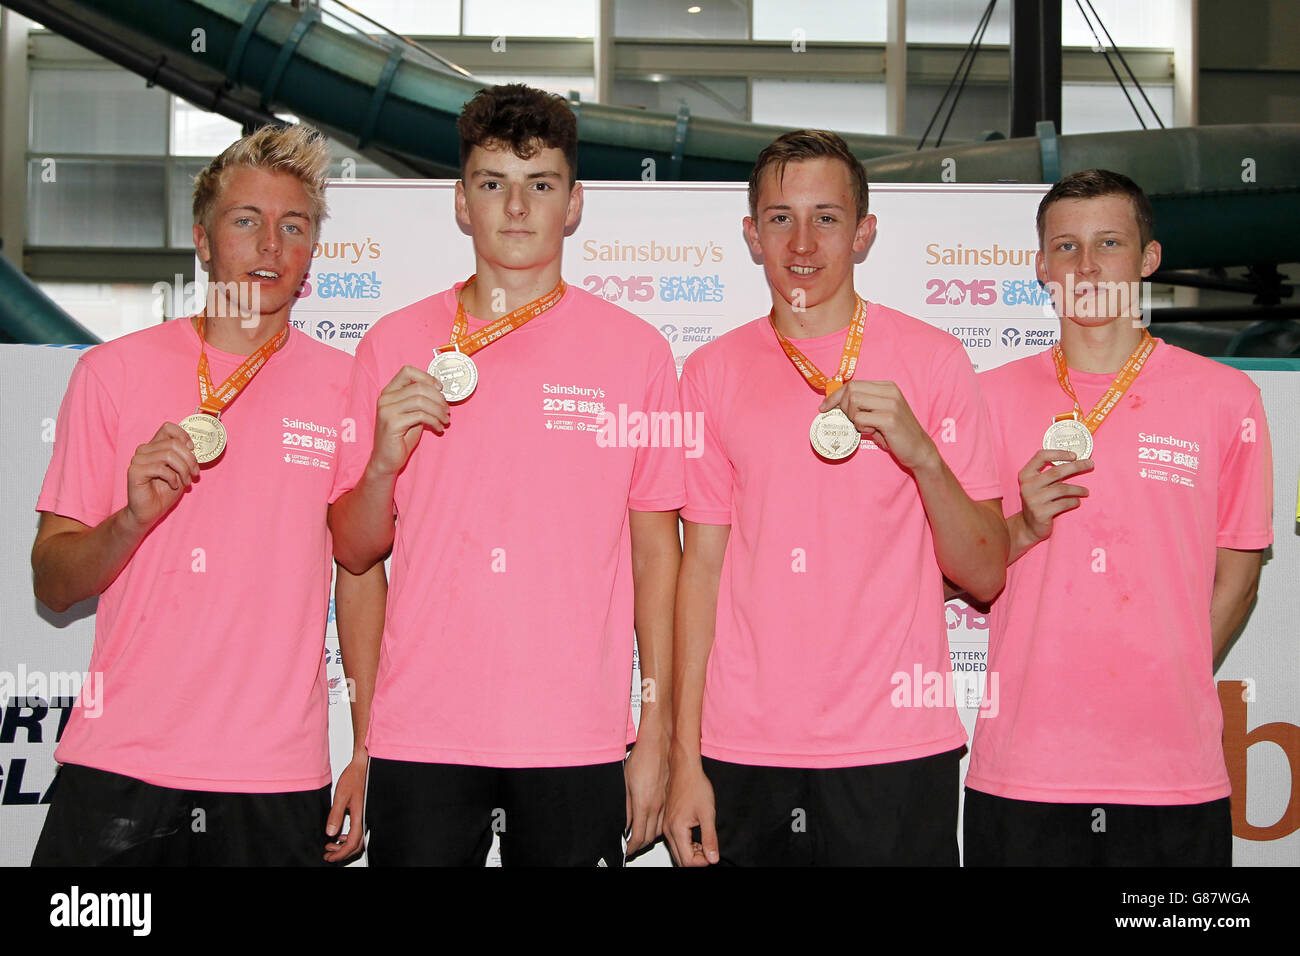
(1011, 337)
(669, 331)
(325, 330)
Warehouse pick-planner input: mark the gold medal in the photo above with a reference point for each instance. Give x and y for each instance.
(208, 435)
(1072, 431)
(1069, 434)
(456, 372)
(204, 426)
(452, 365)
(833, 435)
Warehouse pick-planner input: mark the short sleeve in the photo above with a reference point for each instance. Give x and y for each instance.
(1245, 508)
(961, 428)
(658, 482)
(79, 482)
(357, 436)
(709, 474)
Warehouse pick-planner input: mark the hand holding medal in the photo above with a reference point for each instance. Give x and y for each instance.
(879, 411)
(160, 472)
(412, 401)
(1043, 492)
(832, 435)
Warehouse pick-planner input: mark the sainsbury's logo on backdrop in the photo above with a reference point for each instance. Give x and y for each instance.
(994, 255)
(652, 251)
(351, 252)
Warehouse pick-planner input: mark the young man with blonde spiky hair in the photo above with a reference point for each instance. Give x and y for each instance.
(182, 493)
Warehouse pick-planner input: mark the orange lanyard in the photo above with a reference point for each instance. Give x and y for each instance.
(213, 400)
(502, 326)
(1127, 374)
(848, 360)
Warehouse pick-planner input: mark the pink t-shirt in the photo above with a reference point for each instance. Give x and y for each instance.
(830, 605)
(509, 633)
(211, 639)
(1100, 644)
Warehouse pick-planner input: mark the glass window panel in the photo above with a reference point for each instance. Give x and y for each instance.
(93, 203)
(1101, 107)
(1131, 25)
(862, 21)
(844, 106)
(180, 232)
(96, 111)
(408, 17)
(981, 107)
(528, 18)
(954, 21)
(585, 84)
(714, 97)
(671, 19)
(109, 310)
(196, 132)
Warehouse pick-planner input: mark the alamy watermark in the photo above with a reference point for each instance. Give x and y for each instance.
(48, 685)
(638, 429)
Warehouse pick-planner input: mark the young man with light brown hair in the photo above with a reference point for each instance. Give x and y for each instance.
(846, 471)
(1137, 483)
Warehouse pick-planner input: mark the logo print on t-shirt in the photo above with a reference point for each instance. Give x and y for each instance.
(1169, 459)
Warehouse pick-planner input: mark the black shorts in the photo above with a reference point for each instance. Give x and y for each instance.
(889, 814)
(97, 818)
(999, 831)
(437, 814)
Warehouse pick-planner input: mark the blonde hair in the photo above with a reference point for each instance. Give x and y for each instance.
(299, 150)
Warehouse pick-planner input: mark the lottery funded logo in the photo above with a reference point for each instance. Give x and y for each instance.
(974, 336)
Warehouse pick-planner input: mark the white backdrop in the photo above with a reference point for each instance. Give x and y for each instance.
(959, 257)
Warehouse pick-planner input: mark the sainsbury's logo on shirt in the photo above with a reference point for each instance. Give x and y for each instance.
(582, 390)
(308, 443)
(300, 425)
(1193, 446)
